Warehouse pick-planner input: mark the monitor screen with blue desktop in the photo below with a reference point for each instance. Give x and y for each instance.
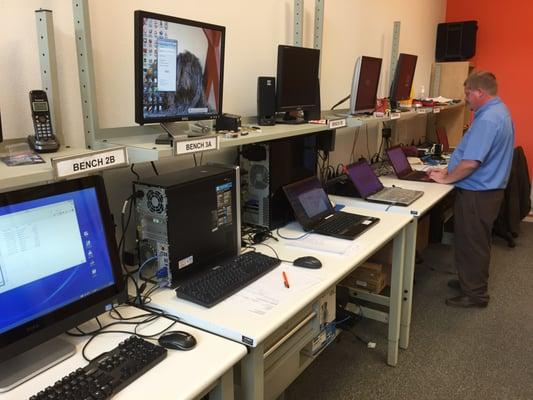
(59, 263)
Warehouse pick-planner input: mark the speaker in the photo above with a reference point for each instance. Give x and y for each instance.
(266, 100)
(456, 41)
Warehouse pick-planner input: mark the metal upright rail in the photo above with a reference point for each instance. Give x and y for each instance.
(47, 59)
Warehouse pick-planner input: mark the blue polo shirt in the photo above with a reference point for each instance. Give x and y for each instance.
(490, 140)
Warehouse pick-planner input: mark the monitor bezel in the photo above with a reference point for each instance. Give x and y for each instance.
(400, 73)
(280, 80)
(41, 329)
(139, 15)
(356, 80)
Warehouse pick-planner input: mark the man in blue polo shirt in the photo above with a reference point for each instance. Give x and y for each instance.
(479, 167)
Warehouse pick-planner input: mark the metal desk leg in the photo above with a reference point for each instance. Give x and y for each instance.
(408, 277)
(398, 251)
(224, 389)
(253, 374)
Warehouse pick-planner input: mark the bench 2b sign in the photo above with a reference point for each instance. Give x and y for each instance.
(93, 161)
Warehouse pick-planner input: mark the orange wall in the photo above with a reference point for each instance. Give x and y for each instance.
(504, 47)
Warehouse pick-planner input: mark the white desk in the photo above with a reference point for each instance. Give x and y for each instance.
(208, 368)
(433, 193)
(288, 326)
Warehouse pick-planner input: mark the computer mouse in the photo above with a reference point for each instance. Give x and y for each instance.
(177, 340)
(307, 262)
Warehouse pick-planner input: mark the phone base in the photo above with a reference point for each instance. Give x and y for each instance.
(43, 146)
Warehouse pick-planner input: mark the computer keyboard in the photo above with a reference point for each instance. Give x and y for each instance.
(339, 222)
(108, 373)
(399, 195)
(224, 279)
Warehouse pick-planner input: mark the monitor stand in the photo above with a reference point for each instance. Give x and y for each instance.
(25, 366)
(196, 129)
(292, 118)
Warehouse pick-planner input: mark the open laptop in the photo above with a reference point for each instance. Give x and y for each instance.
(315, 213)
(370, 187)
(402, 168)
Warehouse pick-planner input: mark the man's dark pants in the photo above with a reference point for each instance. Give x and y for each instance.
(474, 215)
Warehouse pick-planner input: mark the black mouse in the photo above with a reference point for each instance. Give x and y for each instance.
(177, 340)
(307, 262)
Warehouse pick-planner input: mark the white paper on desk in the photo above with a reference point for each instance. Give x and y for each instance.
(315, 242)
(269, 291)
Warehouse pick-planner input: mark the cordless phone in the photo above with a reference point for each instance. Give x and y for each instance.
(44, 140)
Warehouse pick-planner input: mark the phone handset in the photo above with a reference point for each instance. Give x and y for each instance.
(44, 140)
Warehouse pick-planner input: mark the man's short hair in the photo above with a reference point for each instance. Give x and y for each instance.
(482, 80)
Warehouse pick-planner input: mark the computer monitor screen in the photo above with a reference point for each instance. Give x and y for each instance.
(365, 84)
(59, 264)
(403, 78)
(179, 68)
(297, 86)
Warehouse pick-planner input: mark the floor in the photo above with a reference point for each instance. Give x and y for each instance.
(453, 353)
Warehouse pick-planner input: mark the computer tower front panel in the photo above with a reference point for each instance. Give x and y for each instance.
(265, 169)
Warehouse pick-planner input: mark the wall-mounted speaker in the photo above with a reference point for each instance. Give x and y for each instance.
(266, 100)
(456, 41)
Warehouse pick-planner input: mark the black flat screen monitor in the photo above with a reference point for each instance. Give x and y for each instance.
(403, 78)
(365, 85)
(179, 69)
(297, 82)
(59, 267)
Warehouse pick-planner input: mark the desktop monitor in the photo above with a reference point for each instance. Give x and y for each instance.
(403, 78)
(59, 267)
(297, 84)
(179, 69)
(365, 85)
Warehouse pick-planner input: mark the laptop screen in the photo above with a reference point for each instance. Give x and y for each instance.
(364, 179)
(399, 161)
(442, 138)
(308, 200)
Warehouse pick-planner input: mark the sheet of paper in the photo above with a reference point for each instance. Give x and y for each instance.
(313, 241)
(269, 291)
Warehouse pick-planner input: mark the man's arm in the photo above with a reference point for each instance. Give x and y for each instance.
(463, 169)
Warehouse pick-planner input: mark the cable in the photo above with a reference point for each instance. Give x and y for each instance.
(143, 265)
(296, 238)
(154, 168)
(340, 102)
(134, 173)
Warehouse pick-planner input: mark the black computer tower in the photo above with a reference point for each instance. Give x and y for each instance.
(187, 221)
(265, 169)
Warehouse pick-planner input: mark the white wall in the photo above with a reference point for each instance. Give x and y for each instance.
(254, 29)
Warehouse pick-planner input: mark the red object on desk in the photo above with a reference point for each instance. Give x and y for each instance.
(285, 280)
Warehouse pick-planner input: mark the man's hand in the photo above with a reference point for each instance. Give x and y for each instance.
(439, 175)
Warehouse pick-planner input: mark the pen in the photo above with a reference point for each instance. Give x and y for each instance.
(285, 280)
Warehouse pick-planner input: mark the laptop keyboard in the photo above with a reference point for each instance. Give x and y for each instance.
(418, 175)
(396, 194)
(339, 222)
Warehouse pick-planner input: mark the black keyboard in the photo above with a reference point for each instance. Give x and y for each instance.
(339, 222)
(108, 373)
(223, 280)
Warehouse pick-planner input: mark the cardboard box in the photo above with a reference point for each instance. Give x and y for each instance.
(369, 276)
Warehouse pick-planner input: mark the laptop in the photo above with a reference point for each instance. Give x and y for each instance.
(314, 211)
(403, 169)
(442, 139)
(370, 187)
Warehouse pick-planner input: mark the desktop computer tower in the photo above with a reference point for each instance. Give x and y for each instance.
(265, 169)
(187, 221)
